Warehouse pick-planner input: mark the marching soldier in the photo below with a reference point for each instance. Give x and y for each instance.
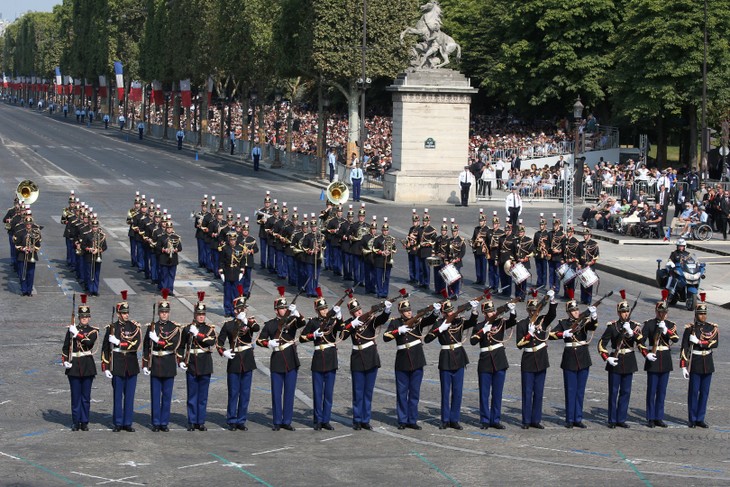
(27, 242)
(297, 252)
(523, 249)
(170, 246)
(131, 214)
(11, 219)
(324, 219)
(368, 256)
(241, 363)
(407, 331)
(279, 230)
(426, 241)
(216, 231)
(231, 271)
(262, 214)
(77, 356)
(493, 237)
(119, 363)
(139, 223)
(698, 341)
(588, 253)
(556, 240)
(250, 248)
(506, 249)
(198, 340)
(288, 251)
(208, 219)
(344, 234)
(384, 250)
(198, 218)
(312, 244)
(94, 245)
(322, 330)
(441, 250)
(571, 255)
(658, 334)
(271, 256)
(480, 249)
(493, 364)
(452, 360)
(279, 334)
(532, 335)
(335, 241)
(622, 334)
(411, 246)
(364, 360)
(83, 226)
(67, 215)
(457, 251)
(153, 231)
(576, 361)
(356, 232)
(541, 246)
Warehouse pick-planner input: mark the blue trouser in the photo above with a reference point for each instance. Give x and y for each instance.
(553, 274)
(80, 398)
(291, 270)
(133, 250)
(656, 391)
(328, 256)
(197, 397)
(281, 264)
(229, 294)
(574, 382)
(408, 391)
(541, 268)
(206, 255)
(313, 279)
(413, 269)
(494, 275)
(505, 281)
(480, 266)
(256, 159)
(438, 281)
(358, 269)
(13, 252)
(80, 269)
(301, 274)
(167, 277)
(619, 395)
(452, 385)
(239, 394)
(533, 386)
(494, 382)
(123, 409)
(455, 287)
(26, 285)
(323, 387)
(154, 268)
(139, 255)
(201, 252)
(246, 281)
(214, 260)
(382, 281)
(70, 252)
(347, 266)
(264, 251)
(287, 383)
(697, 395)
(161, 397)
(521, 289)
(363, 384)
(337, 260)
(271, 258)
(370, 286)
(424, 272)
(586, 294)
(93, 272)
(356, 189)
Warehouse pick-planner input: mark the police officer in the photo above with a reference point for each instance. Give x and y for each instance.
(77, 358)
(180, 135)
(122, 340)
(478, 247)
(198, 339)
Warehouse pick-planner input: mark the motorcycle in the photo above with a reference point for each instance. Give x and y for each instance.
(682, 281)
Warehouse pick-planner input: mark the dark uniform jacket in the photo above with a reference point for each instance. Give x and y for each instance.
(166, 242)
(576, 354)
(522, 249)
(283, 358)
(91, 240)
(493, 239)
(556, 240)
(19, 240)
(139, 223)
(343, 235)
(195, 350)
(325, 348)
(250, 243)
(454, 357)
(621, 346)
(122, 359)
(570, 250)
(536, 360)
(541, 244)
(652, 335)
(493, 360)
(411, 357)
(82, 363)
(380, 260)
(355, 243)
(231, 262)
(364, 359)
(700, 353)
(161, 358)
(240, 342)
(261, 221)
(311, 254)
(333, 226)
(198, 221)
(479, 233)
(427, 238)
(588, 253)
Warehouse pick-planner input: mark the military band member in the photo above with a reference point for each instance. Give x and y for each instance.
(208, 219)
(198, 218)
(588, 253)
(408, 331)
(452, 360)
(170, 245)
(576, 361)
(279, 232)
(198, 340)
(523, 249)
(571, 255)
(480, 249)
(231, 271)
(131, 214)
(312, 243)
(77, 356)
(493, 237)
(364, 360)
(411, 245)
(356, 232)
(68, 214)
(262, 216)
(457, 251)
(658, 334)
(324, 219)
(368, 256)
(139, 223)
(557, 244)
(250, 249)
(504, 254)
(241, 363)
(160, 362)
(17, 224)
(297, 264)
(287, 231)
(7, 220)
(27, 242)
(426, 241)
(152, 232)
(270, 238)
(216, 230)
(94, 245)
(621, 336)
(83, 226)
(493, 364)
(119, 363)
(334, 241)
(322, 330)
(698, 341)
(441, 250)
(344, 234)
(384, 248)
(279, 334)
(532, 335)
(541, 245)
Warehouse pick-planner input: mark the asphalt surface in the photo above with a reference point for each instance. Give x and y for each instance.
(105, 167)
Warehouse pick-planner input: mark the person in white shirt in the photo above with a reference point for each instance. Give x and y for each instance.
(465, 180)
(356, 180)
(140, 128)
(513, 206)
(332, 162)
(489, 176)
(499, 169)
(180, 137)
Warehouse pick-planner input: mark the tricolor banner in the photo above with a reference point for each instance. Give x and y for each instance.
(119, 73)
(77, 87)
(157, 94)
(69, 84)
(135, 91)
(187, 99)
(88, 89)
(102, 86)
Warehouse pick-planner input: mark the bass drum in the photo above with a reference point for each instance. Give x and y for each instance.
(450, 274)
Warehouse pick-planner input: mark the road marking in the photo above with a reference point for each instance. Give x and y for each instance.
(148, 182)
(257, 479)
(633, 467)
(101, 181)
(197, 464)
(174, 184)
(271, 451)
(335, 438)
(41, 467)
(438, 470)
(126, 182)
(455, 437)
(123, 480)
(118, 285)
(196, 183)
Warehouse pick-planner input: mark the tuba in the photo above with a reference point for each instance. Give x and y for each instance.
(337, 192)
(27, 192)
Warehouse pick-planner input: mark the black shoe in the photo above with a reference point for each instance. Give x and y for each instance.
(660, 423)
(402, 426)
(366, 426)
(650, 423)
(155, 428)
(191, 426)
(455, 425)
(287, 427)
(701, 424)
(129, 429)
(317, 426)
(483, 426)
(327, 426)
(84, 426)
(275, 427)
(239, 426)
(356, 426)
(117, 429)
(525, 426)
(232, 427)
(414, 426)
(611, 425)
(691, 424)
(569, 425)
(537, 426)
(165, 429)
(579, 424)
(443, 426)
(621, 424)
(75, 427)
(497, 426)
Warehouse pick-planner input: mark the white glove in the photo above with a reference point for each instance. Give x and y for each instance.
(443, 327)
(670, 264)
(73, 330)
(437, 307)
(242, 317)
(356, 323)
(694, 339)
(685, 373)
(154, 337)
(114, 340)
(68, 365)
(531, 329)
(551, 294)
(403, 329)
(223, 278)
(293, 310)
(629, 331)
(651, 357)
(108, 374)
(474, 304)
(512, 308)
(273, 343)
(567, 334)
(194, 330)
(228, 354)
(336, 310)
(318, 333)
(240, 276)
(146, 371)
(387, 305)
(338, 315)
(183, 366)
(663, 327)
(612, 361)
(486, 328)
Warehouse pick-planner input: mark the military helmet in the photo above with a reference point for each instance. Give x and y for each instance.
(533, 302)
(164, 304)
(701, 308)
(320, 302)
(353, 305)
(623, 305)
(404, 306)
(199, 308)
(84, 310)
(280, 302)
(123, 305)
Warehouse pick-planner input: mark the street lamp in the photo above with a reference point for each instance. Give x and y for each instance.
(277, 157)
(252, 95)
(569, 171)
(325, 152)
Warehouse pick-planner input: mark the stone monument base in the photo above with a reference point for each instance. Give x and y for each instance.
(440, 187)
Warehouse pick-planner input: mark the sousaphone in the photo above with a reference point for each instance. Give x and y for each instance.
(27, 192)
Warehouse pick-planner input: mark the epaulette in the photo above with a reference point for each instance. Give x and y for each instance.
(177, 324)
(135, 322)
(93, 328)
(688, 326)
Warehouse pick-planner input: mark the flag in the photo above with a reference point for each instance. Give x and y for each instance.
(102, 86)
(77, 87)
(135, 91)
(88, 89)
(119, 73)
(187, 100)
(157, 94)
(69, 84)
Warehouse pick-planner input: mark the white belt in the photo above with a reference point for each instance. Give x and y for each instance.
(662, 348)
(281, 348)
(624, 351)
(196, 351)
(492, 347)
(408, 345)
(701, 352)
(535, 349)
(81, 354)
(323, 347)
(576, 344)
(161, 353)
(450, 347)
(242, 348)
(119, 350)
(363, 346)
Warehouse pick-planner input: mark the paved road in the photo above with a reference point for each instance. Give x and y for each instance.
(105, 168)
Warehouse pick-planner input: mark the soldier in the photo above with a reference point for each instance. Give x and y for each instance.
(250, 248)
(588, 253)
(622, 334)
(426, 241)
(504, 254)
(523, 248)
(27, 244)
(541, 246)
(262, 215)
(241, 362)
(335, 241)
(407, 331)
(208, 219)
(570, 256)
(658, 334)
(131, 214)
(322, 330)
(199, 234)
(532, 335)
(160, 362)
(170, 245)
(452, 360)
(296, 262)
(493, 364)
(119, 363)
(556, 241)
(67, 215)
(457, 251)
(153, 231)
(279, 334)
(324, 219)
(9, 220)
(278, 232)
(411, 245)
(698, 341)
(83, 226)
(344, 234)
(384, 249)
(77, 357)
(368, 256)
(216, 231)
(364, 360)
(441, 250)
(480, 249)
(312, 243)
(493, 237)
(139, 223)
(94, 245)
(576, 361)
(198, 340)
(271, 256)
(356, 232)
(231, 271)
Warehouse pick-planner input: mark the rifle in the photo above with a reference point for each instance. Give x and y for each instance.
(237, 330)
(463, 307)
(284, 322)
(112, 332)
(327, 322)
(377, 308)
(499, 311)
(73, 322)
(580, 322)
(152, 328)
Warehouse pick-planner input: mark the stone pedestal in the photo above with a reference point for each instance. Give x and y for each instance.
(430, 136)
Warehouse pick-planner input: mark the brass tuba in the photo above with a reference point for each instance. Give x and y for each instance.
(27, 192)
(337, 192)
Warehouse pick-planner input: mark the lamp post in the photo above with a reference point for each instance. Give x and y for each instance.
(325, 151)
(569, 171)
(252, 95)
(277, 158)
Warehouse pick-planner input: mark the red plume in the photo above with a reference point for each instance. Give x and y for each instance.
(534, 293)
(444, 294)
(488, 294)
(201, 295)
(239, 288)
(403, 292)
(623, 293)
(124, 295)
(665, 294)
(571, 293)
(703, 296)
(282, 290)
(319, 292)
(165, 293)
(83, 298)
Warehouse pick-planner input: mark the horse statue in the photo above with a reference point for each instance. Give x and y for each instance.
(434, 46)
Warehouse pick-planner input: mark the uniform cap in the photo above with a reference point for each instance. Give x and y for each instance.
(701, 306)
(426, 216)
(280, 302)
(447, 306)
(123, 306)
(662, 305)
(623, 305)
(414, 216)
(267, 198)
(84, 310)
(404, 306)
(353, 305)
(482, 217)
(444, 225)
(495, 218)
(532, 303)
(320, 302)
(572, 304)
(164, 304)
(374, 223)
(385, 223)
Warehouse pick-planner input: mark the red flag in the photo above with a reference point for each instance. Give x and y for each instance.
(157, 93)
(135, 92)
(187, 99)
(102, 86)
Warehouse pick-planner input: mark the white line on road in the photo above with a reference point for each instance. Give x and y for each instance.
(118, 285)
(101, 181)
(272, 451)
(126, 182)
(174, 184)
(197, 464)
(335, 438)
(148, 182)
(455, 437)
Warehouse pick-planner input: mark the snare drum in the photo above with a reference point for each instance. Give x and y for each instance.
(519, 273)
(450, 274)
(566, 273)
(587, 277)
(434, 261)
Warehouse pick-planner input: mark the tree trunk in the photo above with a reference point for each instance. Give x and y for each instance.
(175, 106)
(692, 145)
